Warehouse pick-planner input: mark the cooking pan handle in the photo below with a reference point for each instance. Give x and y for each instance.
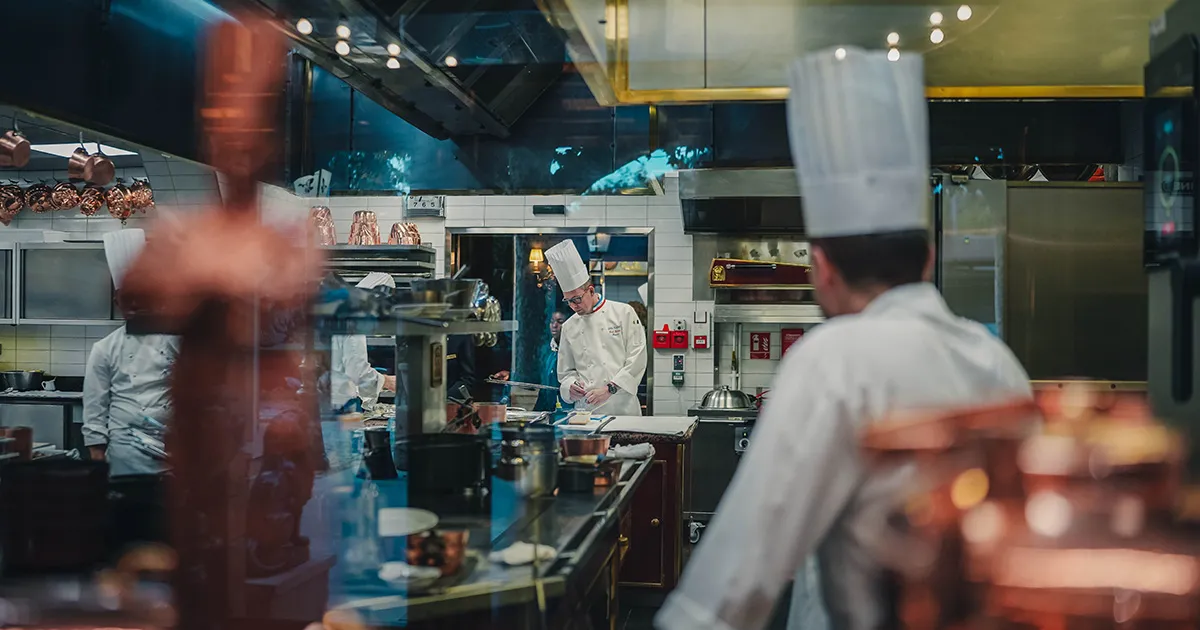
(770, 266)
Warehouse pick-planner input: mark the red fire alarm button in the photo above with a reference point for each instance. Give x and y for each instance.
(662, 338)
(700, 342)
(679, 339)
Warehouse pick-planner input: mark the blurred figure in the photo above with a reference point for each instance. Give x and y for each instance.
(860, 139)
(127, 407)
(355, 384)
(548, 400)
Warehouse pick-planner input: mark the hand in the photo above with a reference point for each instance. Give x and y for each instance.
(96, 453)
(598, 396)
(577, 391)
(389, 383)
(502, 375)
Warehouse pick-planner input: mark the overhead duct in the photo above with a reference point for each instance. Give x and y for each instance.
(741, 201)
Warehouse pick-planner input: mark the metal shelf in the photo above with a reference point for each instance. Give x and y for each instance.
(406, 328)
(768, 314)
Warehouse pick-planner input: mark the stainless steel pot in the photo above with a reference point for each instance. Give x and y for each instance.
(725, 398)
(528, 457)
(23, 380)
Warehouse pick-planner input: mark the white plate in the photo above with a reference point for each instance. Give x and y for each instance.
(405, 521)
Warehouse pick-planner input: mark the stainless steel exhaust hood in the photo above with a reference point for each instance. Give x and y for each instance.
(741, 201)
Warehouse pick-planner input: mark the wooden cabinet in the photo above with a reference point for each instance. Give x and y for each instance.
(655, 520)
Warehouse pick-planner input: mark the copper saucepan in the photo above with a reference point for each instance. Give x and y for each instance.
(93, 169)
(14, 149)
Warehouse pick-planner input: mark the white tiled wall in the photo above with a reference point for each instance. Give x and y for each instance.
(756, 374)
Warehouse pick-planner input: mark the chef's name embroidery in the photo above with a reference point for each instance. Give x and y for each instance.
(615, 331)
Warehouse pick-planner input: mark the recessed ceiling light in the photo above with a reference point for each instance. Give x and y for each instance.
(894, 54)
(394, 49)
(451, 61)
(840, 53)
(893, 38)
(937, 35)
(66, 149)
(343, 31)
(964, 13)
(304, 26)
(393, 63)
(342, 47)
(936, 18)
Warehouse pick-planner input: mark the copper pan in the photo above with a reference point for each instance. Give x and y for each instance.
(77, 164)
(99, 170)
(14, 150)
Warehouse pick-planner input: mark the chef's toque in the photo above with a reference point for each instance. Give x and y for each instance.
(644, 291)
(568, 266)
(375, 279)
(121, 248)
(859, 130)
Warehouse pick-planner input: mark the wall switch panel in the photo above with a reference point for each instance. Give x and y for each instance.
(677, 362)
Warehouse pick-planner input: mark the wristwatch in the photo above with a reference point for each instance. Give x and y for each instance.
(612, 387)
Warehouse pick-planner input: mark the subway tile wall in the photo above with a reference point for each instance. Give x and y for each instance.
(756, 374)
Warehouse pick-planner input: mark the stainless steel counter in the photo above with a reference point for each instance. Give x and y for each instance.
(578, 526)
(55, 417)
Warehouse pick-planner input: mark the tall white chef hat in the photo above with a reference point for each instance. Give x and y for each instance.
(568, 266)
(643, 292)
(121, 248)
(859, 134)
(375, 279)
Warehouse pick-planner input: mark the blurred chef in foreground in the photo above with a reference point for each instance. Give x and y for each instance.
(602, 354)
(355, 384)
(859, 136)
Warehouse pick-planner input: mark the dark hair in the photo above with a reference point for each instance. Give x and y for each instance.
(640, 310)
(890, 259)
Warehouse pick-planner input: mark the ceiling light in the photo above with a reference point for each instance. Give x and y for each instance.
(342, 47)
(894, 54)
(66, 149)
(343, 31)
(893, 38)
(304, 26)
(451, 61)
(964, 13)
(840, 53)
(394, 49)
(937, 35)
(935, 18)
(393, 63)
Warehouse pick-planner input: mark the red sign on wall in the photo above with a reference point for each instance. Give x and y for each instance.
(790, 336)
(760, 345)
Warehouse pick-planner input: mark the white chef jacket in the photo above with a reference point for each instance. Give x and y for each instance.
(801, 486)
(126, 381)
(608, 344)
(353, 376)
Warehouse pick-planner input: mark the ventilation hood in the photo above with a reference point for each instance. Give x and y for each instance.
(741, 201)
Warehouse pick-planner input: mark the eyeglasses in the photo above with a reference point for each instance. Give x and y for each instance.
(576, 301)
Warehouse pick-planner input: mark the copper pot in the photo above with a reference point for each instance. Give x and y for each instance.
(365, 229)
(65, 196)
(12, 199)
(14, 150)
(39, 198)
(118, 201)
(443, 549)
(100, 170)
(141, 195)
(321, 220)
(77, 164)
(91, 200)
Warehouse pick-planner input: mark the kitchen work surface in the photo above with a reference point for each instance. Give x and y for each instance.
(650, 425)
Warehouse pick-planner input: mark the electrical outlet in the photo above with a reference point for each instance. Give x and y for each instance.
(679, 324)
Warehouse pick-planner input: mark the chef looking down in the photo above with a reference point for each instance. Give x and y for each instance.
(356, 385)
(859, 136)
(126, 382)
(602, 354)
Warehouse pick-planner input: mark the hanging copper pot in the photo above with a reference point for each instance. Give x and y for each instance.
(65, 196)
(39, 198)
(100, 170)
(91, 199)
(14, 149)
(118, 201)
(12, 200)
(141, 195)
(77, 164)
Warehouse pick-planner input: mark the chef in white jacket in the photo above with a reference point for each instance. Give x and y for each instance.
(602, 354)
(859, 136)
(125, 385)
(352, 377)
